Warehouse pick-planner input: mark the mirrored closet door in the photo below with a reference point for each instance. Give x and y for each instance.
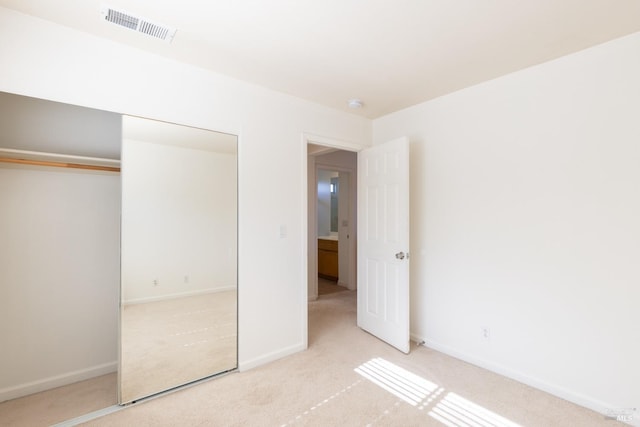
(178, 319)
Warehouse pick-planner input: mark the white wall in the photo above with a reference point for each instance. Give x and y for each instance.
(344, 234)
(59, 275)
(54, 62)
(178, 221)
(525, 207)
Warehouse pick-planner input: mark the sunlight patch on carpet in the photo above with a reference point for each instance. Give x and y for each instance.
(455, 410)
(409, 387)
(449, 408)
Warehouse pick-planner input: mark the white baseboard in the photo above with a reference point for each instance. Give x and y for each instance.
(177, 295)
(270, 357)
(26, 389)
(563, 393)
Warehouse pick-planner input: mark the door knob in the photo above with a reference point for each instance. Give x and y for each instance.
(400, 255)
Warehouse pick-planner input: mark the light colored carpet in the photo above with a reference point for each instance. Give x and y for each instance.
(326, 287)
(321, 387)
(173, 342)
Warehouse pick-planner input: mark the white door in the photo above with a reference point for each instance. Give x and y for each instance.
(383, 242)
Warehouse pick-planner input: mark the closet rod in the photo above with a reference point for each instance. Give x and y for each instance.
(59, 164)
(39, 158)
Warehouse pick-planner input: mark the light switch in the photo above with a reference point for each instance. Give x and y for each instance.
(283, 231)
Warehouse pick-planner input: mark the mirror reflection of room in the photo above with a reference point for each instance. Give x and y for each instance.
(179, 281)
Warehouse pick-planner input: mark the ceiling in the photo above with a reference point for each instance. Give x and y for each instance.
(389, 54)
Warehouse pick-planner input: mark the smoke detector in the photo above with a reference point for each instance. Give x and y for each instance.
(355, 103)
(137, 23)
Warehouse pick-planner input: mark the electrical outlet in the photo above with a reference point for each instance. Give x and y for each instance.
(155, 282)
(186, 279)
(486, 333)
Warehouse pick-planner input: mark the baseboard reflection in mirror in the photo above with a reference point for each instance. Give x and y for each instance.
(178, 320)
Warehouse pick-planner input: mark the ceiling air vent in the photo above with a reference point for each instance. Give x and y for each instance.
(136, 23)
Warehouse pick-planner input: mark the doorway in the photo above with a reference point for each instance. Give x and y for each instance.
(332, 216)
(383, 299)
